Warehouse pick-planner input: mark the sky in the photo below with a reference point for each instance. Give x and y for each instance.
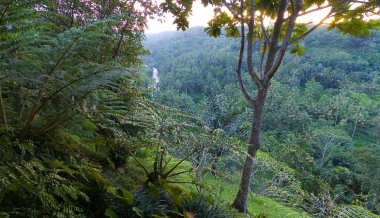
(201, 15)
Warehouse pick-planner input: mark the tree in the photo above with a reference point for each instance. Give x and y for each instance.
(347, 16)
(325, 139)
(56, 54)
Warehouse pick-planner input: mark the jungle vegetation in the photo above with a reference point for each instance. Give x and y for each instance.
(314, 119)
(85, 132)
(356, 18)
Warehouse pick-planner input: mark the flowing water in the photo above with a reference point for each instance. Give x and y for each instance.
(155, 75)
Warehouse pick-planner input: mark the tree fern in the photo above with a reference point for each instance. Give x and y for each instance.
(28, 189)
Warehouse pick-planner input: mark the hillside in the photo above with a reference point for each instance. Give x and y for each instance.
(322, 118)
(94, 125)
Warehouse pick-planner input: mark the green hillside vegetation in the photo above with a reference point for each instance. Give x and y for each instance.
(85, 132)
(322, 115)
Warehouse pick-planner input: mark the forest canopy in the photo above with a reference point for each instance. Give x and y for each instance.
(100, 119)
(322, 112)
(284, 31)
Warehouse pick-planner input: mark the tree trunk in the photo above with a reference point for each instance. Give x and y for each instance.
(241, 199)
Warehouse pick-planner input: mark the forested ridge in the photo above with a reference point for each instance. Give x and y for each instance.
(85, 131)
(322, 116)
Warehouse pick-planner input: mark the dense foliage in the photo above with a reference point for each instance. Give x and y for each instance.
(322, 115)
(84, 133)
(77, 128)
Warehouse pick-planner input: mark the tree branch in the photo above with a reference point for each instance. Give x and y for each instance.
(273, 47)
(181, 172)
(38, 106)
(311, 11)
(285, 42)
(332, 11)
(262, 58)
(139, 163)
(265, 40)
(238, 70)
(230, 6)
(265, 34)
(310, 30)
(56, 92)
(251, 25)
(177, 164)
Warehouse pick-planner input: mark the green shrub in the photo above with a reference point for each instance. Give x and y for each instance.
(148, 202)
(203, 207)
(29, 189)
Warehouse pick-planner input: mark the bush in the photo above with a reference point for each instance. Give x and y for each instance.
(203, 207)
(29, 189)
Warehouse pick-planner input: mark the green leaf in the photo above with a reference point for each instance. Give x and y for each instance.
(298, 50)
(110, 213)
(127, 195)
(138, 211)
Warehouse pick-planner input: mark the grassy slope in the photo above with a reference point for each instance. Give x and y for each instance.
(260, 205)
(224, 192)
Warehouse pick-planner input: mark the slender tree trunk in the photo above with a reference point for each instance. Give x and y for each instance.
(241, 199)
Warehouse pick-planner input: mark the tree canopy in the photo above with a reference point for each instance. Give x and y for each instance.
(352, 17)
